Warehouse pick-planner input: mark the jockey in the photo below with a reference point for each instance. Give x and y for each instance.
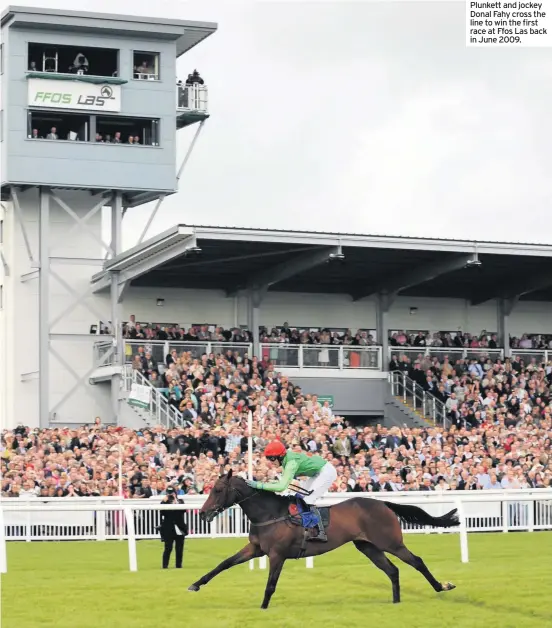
(321, 475)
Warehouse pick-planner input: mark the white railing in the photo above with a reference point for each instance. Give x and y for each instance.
(160, 411)
(192, 98)
(109, 518)
(160, 349)
(453, 353)
(539, 356)
(85, 518)
(101, 349)
(322, 356)
(409, 392)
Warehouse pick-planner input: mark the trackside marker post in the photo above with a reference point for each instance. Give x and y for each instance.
(250, 461)
(131, 532)
(463, 531)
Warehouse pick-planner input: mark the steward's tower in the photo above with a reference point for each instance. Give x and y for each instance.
(90, 109)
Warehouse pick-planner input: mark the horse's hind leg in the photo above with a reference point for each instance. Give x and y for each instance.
(381, 561)
(247, 553)
(411, 559)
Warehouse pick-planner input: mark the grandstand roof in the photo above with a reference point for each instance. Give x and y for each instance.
(234, 259)
(186, 33)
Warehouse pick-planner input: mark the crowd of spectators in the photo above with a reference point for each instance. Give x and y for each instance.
(458, 340)
(499, 435)
(331, 336)
(282, 334)
(195, 333)
(465, 340)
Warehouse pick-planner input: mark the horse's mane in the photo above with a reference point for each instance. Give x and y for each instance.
(267, 495)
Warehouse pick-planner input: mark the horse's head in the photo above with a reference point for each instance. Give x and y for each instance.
(224, 494)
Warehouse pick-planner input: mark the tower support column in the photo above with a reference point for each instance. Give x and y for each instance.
(44, 307)
(116, 322)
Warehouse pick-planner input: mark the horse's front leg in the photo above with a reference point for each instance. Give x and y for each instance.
(276, 564)
(247, 553)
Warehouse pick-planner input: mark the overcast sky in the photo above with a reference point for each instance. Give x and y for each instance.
(359, 117)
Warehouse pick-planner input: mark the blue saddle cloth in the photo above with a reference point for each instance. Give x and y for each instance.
(308, 518)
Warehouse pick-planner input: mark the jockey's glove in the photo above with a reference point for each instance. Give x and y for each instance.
(254, 484)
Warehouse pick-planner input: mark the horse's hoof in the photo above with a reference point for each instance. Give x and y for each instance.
(193, 587)
(448, 586)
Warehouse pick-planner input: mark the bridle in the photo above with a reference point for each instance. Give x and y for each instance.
(255, 492)
(221, 509)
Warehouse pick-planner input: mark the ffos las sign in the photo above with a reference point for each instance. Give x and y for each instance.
(74, 95)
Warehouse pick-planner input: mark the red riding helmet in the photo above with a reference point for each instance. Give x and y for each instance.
(275, 449)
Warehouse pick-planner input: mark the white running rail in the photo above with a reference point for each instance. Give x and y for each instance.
(100, 519)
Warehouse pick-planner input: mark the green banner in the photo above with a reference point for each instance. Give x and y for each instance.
(323, 398)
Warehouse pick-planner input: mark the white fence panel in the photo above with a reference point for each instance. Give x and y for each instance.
(78, 518)
(108, 518)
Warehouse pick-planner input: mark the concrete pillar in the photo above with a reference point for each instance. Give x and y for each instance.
(383, 305)
(504, 308)
(116, 322)
(44, 308)
(255, 300)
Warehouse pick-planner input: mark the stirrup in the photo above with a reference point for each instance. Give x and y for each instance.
(322, 536)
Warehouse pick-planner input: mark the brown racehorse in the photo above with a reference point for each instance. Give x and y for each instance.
(372, 525)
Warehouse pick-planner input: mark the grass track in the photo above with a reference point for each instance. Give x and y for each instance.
(507, 584)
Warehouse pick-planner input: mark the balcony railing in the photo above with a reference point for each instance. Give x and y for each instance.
(453, 353)
(105, 353)
(538, 356)
(192, 98)
(322, 356)
(160, 349)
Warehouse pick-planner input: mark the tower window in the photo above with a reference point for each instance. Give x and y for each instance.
(146, 66)
(73, 60)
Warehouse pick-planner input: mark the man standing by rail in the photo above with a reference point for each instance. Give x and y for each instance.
(173, 529)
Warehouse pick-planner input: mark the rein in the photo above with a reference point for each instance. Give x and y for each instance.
(221, 509)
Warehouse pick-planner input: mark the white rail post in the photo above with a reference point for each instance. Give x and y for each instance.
(250, 445)
(309, 563)
(131, 533)
(3, 554)
(250, 460)
(464, 549)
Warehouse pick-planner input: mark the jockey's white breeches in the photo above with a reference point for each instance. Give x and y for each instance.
(320, 483)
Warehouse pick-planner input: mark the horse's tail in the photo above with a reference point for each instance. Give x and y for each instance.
(413, 514)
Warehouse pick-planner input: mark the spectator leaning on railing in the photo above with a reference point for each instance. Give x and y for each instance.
(425, 340)
(197, 333)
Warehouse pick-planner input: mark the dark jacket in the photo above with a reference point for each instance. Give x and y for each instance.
(170, 519)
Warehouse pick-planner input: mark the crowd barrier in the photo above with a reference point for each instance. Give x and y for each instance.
(66, 519)
(40, 519)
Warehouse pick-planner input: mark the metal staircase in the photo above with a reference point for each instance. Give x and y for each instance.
(159, 411)
(422, 407)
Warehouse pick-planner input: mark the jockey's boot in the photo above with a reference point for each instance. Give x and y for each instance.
(311, 519)
(321, 532)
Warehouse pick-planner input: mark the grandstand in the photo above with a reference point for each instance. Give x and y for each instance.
(172, 342)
